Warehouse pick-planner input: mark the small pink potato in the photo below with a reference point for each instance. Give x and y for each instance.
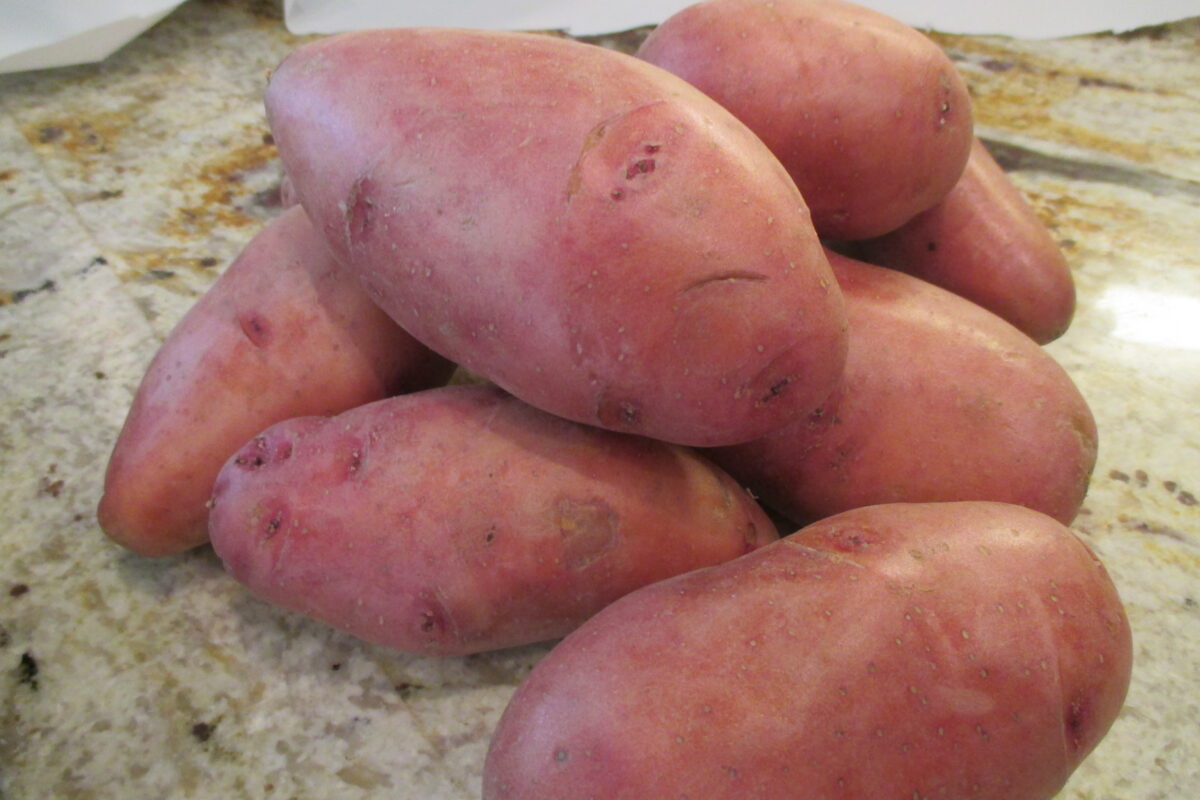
(583, 229)
(985, 242)
(284, 331)
(958, 650)
(941, 400)
(868, 115)
(460, 519)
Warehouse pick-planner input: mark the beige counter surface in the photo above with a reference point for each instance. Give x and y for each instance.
(127, 187)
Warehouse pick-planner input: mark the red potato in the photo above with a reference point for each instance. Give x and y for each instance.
(283, 332)
(868, 115)
(985, 242)
(928, 650)
(941, 400)
(581, 228)
(461, 519)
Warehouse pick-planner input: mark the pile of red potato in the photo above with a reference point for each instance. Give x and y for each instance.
(654, 262)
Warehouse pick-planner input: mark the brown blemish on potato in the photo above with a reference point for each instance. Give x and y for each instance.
(643, 166)
(590, 140)
(274, 521)
(254, 455)
(723, 279)
(432, 618)
(618, 413)
(1075, 722)
(588, 529)
(256, 328)
(359, 210)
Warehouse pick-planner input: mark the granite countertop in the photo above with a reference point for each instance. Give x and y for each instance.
(125, 189)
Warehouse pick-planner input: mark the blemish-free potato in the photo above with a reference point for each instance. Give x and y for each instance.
(985, 242)
(461, 519)
(283, 332)
(914, 650)
(585, 230)
(868, 115)
(941, 400)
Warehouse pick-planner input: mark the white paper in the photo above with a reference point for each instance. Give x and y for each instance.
(1022, 18)
(36, 34)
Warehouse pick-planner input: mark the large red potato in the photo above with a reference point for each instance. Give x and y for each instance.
(868, 115)
(583, 229)
(941, 400)
(283, 332)
(461, 519)
(985, 242)
(957, 650)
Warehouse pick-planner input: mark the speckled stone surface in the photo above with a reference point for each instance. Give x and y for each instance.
(125, 189)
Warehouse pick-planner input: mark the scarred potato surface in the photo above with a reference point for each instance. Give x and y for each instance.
(584, 229)
(461, 519)
(928, 650)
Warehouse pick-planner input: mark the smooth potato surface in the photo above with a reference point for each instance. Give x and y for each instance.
(461, 519)
(957, 650)
(585, 230)
(941, 400)
(283, 332)
(985, 242)
(868, 115)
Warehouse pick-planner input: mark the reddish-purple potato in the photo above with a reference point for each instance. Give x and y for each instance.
(941, 400)
(461, 519)
(868, 115)
(283, 332)
(985, 243)
(915, 650)
(585, 230)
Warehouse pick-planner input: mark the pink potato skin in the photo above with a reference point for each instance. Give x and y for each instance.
(581, 228)
(985, 242)
(283, 332)
(868, 115)
(941, 400)
(912, 650)
(460, 519)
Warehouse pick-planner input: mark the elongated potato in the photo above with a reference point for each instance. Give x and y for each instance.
(585, 230)
(869, 116)
(461, 519)
(283, 332)
(941, 400)
(928, 650)
(985, 243)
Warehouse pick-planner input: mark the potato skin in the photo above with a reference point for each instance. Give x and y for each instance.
(909, 650)
(868, 115)
(985, 242)
(460, 519)
(941, 400)
(283, 332)
(583, 229)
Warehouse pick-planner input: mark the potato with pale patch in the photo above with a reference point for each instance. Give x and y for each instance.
(941, 400)
(585, 230)
(285, 331)
(985, 242)
(460, 519)
(869, 116)
(912, 650)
